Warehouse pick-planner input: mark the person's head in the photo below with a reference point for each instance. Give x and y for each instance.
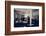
(33, 17)
(37, 17)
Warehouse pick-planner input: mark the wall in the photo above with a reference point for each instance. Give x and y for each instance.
(2, 18)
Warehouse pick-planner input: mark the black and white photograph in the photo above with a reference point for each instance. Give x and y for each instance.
(26, 17)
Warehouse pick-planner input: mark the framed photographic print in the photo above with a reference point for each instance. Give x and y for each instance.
(24, 17)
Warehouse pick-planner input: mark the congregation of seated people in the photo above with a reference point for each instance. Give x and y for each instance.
(20, 22)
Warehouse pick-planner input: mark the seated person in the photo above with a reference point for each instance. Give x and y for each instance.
(35, 21)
